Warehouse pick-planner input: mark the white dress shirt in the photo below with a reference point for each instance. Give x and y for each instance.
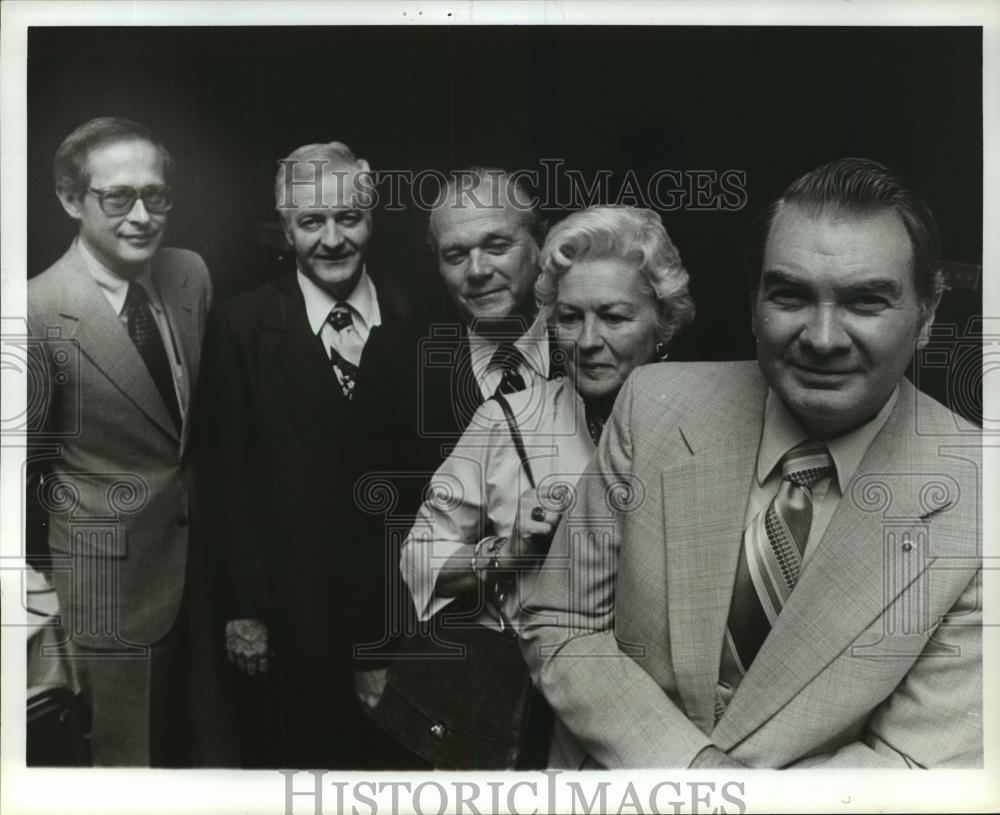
(115, 289)
(362, 301)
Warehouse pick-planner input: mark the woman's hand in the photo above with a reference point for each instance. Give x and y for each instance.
(533, 527)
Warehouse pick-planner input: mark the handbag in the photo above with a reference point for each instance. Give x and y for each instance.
(459, 694)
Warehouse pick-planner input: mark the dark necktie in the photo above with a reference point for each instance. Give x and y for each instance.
(145, 334)
(595, 424)
(342, 320)
(508, 359)
(770, 563)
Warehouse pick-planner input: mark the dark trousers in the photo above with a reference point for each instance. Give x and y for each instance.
(303, 714)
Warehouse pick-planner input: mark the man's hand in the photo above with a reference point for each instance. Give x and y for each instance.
(369, 686)
(533, 527)
(246, 645)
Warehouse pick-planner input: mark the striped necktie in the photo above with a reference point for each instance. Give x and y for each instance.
(770, 563)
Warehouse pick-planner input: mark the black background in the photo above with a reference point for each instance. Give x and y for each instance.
(772, 102)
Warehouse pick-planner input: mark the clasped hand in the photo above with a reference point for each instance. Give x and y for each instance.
(247, 645)
(534, 526)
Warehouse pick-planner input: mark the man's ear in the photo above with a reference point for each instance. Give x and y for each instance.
(70, 203)
(286, 228)
(753, 313)
(928, 313)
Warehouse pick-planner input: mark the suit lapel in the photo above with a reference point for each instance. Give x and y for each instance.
(300, 357)
(181, 307)
(704, 500)
(89, 318)
(391, 302)
(850, 579)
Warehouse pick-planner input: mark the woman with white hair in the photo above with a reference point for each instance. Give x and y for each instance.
(616, 292)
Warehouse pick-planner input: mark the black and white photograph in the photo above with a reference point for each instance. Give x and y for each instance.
(499, 407)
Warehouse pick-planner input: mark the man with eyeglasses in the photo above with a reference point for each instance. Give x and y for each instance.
(116, 327)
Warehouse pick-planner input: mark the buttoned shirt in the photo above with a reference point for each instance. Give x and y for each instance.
(115, 289)
(476, 490)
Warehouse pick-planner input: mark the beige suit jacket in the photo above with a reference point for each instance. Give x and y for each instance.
(874, 661)
(115, 488)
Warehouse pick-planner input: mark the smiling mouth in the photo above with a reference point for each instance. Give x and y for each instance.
(822, 377)
(479, 295)
(806, 369)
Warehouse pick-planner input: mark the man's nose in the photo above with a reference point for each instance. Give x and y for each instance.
(480, 267)
(332, 236)
(138, 214)
(824, 331)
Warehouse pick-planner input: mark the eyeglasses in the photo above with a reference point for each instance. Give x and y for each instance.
(115, 201)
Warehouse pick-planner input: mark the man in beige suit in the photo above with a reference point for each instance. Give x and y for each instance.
(116, 327)
(778, 563)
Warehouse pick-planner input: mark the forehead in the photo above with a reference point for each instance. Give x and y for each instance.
(337, 187)
(136, 163)
(836, 248)
(469, 222)
(596, 282)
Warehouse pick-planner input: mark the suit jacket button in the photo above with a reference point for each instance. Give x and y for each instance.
(437, 731)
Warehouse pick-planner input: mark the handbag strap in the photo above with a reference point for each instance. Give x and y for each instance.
(515, 434)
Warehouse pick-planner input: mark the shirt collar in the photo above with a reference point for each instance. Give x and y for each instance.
(533, 345)
(115, 287)
(319, 303)
(782, 432)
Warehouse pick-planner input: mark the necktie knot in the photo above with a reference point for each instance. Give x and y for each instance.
(507, 357)
(340, 317)
(136, 296)
(807, 464)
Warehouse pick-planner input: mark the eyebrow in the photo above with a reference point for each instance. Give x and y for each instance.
(613, 304)
(875, 285)
(490, 236)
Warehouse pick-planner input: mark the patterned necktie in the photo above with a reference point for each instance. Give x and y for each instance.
(145, 334)
(509, 360)
(345, 353)
(770, 562)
